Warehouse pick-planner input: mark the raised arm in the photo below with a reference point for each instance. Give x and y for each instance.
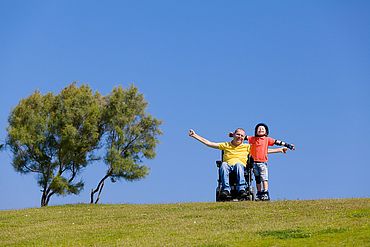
(202, 139)
(281, 143)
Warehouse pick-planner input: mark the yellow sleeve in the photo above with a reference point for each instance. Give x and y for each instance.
(222, 145)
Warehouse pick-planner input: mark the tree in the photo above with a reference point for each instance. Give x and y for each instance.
(54, 137)
(130, 135)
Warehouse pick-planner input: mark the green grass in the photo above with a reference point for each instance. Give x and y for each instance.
(341, 222)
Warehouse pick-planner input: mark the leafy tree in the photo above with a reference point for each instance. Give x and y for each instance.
(53, 136)
(130, 135)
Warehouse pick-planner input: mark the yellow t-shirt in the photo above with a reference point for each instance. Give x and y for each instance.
(235, 154)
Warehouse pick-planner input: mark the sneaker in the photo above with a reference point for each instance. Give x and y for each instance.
(225, 194)
(265, 196)
(243, 193)
(259, 196)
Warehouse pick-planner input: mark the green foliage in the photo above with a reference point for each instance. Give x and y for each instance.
(62, 186)
(130, 136)
(275, 223)
(122, 167)
(55, 136)
(51, 135)
(129, 129)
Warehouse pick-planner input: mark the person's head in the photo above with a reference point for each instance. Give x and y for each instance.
(238, 136)
(261, 130)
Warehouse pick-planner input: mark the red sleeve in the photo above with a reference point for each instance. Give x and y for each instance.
(271, 141)
(250, 139)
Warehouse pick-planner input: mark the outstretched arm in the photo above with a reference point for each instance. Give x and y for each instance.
(281, 143)
(202, 139)
(277, 150)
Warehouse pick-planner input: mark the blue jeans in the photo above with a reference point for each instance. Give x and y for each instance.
(225, 170)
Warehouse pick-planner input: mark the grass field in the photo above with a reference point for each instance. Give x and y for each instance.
(341, 222)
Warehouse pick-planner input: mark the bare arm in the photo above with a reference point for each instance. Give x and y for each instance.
(277, 150)
(202, 139)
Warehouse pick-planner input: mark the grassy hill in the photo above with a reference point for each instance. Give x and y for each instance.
(341, 222)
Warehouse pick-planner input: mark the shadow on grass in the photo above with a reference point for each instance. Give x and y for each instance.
(332, 231)
(214, 245)
(286, 234)
(298, 233)
(361, 213)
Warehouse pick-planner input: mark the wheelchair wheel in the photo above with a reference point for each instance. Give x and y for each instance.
(218, 196)
(250, 197)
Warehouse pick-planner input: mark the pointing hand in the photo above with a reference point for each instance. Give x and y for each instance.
(191, 132)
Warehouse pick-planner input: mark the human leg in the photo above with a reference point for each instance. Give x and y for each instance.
(265, 196)
(261, 176)
(225, 169)
(256, 171)
(241, 183)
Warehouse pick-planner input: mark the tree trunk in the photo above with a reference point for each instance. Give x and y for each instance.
(98, 189)
(98, 197)
(45, 198)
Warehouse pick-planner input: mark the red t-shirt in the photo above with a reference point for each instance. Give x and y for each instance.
(259, 147)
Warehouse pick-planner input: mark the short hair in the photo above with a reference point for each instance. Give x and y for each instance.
(239, 129)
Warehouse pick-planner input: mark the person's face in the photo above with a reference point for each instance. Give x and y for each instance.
(261, 131)
(239, 136)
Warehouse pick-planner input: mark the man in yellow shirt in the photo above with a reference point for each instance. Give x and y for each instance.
(234, 160)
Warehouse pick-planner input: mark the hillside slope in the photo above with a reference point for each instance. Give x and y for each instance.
(340, 222)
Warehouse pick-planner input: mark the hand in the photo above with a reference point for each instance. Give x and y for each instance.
(191, 133)
(284, 150)
(292, 147)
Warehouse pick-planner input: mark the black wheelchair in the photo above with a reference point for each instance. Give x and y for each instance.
(234, 195)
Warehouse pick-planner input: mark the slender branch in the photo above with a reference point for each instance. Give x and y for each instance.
(74, 173)
(32, 156)
(32, 170)
(128, 145)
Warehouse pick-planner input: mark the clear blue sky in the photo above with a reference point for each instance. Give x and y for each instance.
(302, 67)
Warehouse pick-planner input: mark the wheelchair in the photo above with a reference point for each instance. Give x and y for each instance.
(234, 196)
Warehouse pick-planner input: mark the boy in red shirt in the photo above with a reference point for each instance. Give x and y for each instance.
(259, 146)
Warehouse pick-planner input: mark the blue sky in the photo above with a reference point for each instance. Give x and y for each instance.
(302, 67)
